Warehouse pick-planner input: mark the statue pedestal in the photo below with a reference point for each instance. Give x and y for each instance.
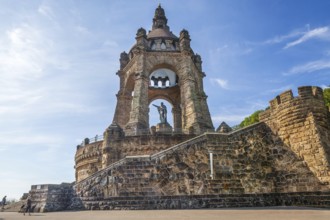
(164, 128)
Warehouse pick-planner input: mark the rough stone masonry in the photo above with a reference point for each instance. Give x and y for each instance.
(283, 160)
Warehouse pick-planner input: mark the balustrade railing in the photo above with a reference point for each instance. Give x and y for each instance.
(92, 140)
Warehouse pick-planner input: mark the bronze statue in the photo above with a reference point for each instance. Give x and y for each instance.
(162, 110)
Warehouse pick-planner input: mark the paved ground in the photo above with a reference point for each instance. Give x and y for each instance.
(201, 214)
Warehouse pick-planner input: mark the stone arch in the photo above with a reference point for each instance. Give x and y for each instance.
(165, 97)
(162, 78)
(157, 62)
(187, 96)
(170, 94)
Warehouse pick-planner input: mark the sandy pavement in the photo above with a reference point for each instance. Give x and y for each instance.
(276, 213)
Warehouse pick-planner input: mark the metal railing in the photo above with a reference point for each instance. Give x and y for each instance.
(92, 140)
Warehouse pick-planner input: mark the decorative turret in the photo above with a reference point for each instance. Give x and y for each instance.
(224, 128)
(113, 132)
(198, 61)
(124, 59)
(161, 32)
(185, 41)
(141, 38)
(159, 20)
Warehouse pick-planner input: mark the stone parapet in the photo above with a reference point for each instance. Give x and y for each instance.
(303, 124)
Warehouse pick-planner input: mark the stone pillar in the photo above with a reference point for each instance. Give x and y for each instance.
(176, 112)
(185, 42)
(138, 121)
(189, 113)
(123, 108)
(112, 134)
(208, 125)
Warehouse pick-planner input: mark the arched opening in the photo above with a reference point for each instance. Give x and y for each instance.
(163, 87)
(163, 78)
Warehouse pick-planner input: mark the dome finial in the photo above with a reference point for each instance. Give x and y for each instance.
(159, 20)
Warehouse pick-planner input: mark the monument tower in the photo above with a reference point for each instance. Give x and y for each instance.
(282, 160)
(161, 66)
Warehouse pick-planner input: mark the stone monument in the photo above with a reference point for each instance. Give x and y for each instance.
(163, 126)
(282, 160)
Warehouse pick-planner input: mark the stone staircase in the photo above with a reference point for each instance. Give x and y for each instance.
(136, 174)
(225, 186)
(302, 199)
(136, 191)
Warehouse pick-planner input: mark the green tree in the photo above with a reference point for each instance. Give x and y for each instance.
(326, 95)
(254, 118)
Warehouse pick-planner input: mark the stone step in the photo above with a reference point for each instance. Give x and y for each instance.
(134, 185)
(137, 176)
(150, 200)
(224, 183)
(233, 190)
(135, 193)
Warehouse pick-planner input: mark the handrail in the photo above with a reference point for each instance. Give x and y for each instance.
(92, 140)
(177, 146)
(201, 137)
(154, 156)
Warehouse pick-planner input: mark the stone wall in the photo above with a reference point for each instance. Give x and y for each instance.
(92, 157)
(115, 150)
(88, 160)
(283, 156)
(306, 199)
(303, 124)
(251, 160)
(51, 197)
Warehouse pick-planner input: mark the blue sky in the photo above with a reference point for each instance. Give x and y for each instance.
(59, 58)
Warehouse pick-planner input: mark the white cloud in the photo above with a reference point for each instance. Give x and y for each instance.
(220, 82)
(46, 11)
(318, 33)
(322, 33)
(309, 67)
(280, 39)
(24, 53)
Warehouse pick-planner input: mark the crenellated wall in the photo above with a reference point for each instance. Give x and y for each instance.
(303, 124)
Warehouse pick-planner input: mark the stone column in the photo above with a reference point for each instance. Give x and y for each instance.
(123, 109)
(138, 121)
(176, 112)
(189, 119)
